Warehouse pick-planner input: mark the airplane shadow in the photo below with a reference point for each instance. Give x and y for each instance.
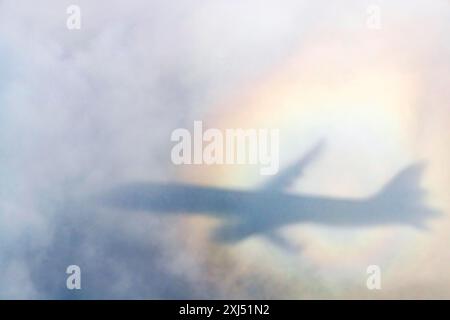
(245, 213)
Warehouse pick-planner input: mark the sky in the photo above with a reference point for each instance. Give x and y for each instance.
(85, 110)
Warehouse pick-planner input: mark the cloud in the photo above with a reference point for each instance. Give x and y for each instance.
(85, 110)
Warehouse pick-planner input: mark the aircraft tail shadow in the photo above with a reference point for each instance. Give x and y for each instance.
(403, 197)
